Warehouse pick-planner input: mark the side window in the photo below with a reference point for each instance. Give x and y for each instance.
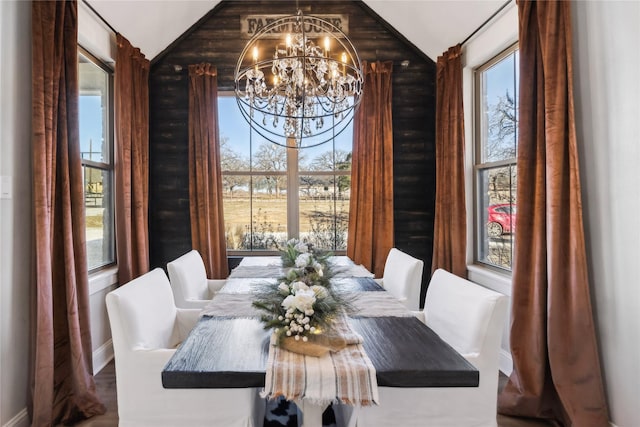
(273, 193)
(96, 147)
(496, 144)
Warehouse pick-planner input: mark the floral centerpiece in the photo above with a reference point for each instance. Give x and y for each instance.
(302, 304)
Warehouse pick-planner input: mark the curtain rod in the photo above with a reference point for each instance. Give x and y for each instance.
(100, 16)
(485, 22)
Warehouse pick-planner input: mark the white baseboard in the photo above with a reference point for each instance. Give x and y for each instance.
(102, 356)
(20, 420)
(505, 363)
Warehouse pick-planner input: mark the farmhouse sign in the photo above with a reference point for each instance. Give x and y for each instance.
(251, 24)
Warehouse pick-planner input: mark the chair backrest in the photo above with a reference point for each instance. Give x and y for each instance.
(403, 277)
(466, 315)
(188, 278)
(142, 314)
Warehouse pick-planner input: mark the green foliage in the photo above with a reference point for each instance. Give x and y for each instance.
(302, 302)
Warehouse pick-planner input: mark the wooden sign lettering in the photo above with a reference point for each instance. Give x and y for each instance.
(251, 24)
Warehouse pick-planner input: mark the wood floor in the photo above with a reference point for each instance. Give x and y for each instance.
(106, 386)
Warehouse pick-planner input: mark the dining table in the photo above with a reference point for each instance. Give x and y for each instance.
(229, 346)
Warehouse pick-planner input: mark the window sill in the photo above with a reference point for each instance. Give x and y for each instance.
(497, 281)
(103, 279)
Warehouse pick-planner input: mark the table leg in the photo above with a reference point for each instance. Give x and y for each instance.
(311, 413)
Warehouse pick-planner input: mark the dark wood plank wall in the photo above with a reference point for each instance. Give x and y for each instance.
(215, 39)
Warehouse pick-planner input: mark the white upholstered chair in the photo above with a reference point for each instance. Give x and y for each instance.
(402, 277)
(146, 328)
(188, 277)
(470, 318)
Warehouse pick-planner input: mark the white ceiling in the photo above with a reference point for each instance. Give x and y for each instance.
(431, 25)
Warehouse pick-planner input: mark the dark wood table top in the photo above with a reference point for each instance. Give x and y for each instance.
(232, 353)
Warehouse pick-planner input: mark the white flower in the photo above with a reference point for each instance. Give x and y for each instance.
(302, 301)
(299, 286)
(303, 260)
(292, 242)
(301, 247)
(320, 291)
(318, 267)
(284, 288)
(287, 303)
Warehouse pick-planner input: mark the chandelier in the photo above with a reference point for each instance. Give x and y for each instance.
(306, 92)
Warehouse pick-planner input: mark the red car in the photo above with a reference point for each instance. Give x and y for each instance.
(501, 219)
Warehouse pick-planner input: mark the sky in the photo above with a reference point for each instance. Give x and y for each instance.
(91, 127)
(233, 126)
(502, 78)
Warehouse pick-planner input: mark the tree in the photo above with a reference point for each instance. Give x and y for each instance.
(325, 161)
(342, 161)
(502, 123)
(501, 145)
(232, 161)
(308, 182)
(272, 158)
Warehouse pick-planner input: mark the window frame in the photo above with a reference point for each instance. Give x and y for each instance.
(480, 165)
(102, 166)
(293, 174)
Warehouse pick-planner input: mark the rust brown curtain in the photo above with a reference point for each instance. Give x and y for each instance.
(371, 207)
(556, 371)
(205, 177)
(62, 387)
(132, 160)
(450, 221)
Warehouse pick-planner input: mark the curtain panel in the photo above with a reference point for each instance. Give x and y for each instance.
(371, 207)
(205, 176)
(131, 160)
(450, 220)
(556, 367)
(62, 384)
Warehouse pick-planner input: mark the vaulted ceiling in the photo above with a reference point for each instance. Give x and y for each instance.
(431, 25)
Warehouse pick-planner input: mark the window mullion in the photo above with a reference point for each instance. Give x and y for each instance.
(293, 182)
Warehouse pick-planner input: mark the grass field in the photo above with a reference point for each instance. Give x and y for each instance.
(269, 219)
(237, 211)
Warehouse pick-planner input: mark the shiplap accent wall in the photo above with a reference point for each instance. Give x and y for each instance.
(216, 39)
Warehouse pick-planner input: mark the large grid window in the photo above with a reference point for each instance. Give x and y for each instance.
(273, 193)
(495, 159)
(96, 146)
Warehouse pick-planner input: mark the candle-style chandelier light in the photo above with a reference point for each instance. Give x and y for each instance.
(307, 92)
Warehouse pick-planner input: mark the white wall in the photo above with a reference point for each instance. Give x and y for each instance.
(15, 213)
(607, 98)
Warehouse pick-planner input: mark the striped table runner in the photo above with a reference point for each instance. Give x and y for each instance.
(346, 376)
